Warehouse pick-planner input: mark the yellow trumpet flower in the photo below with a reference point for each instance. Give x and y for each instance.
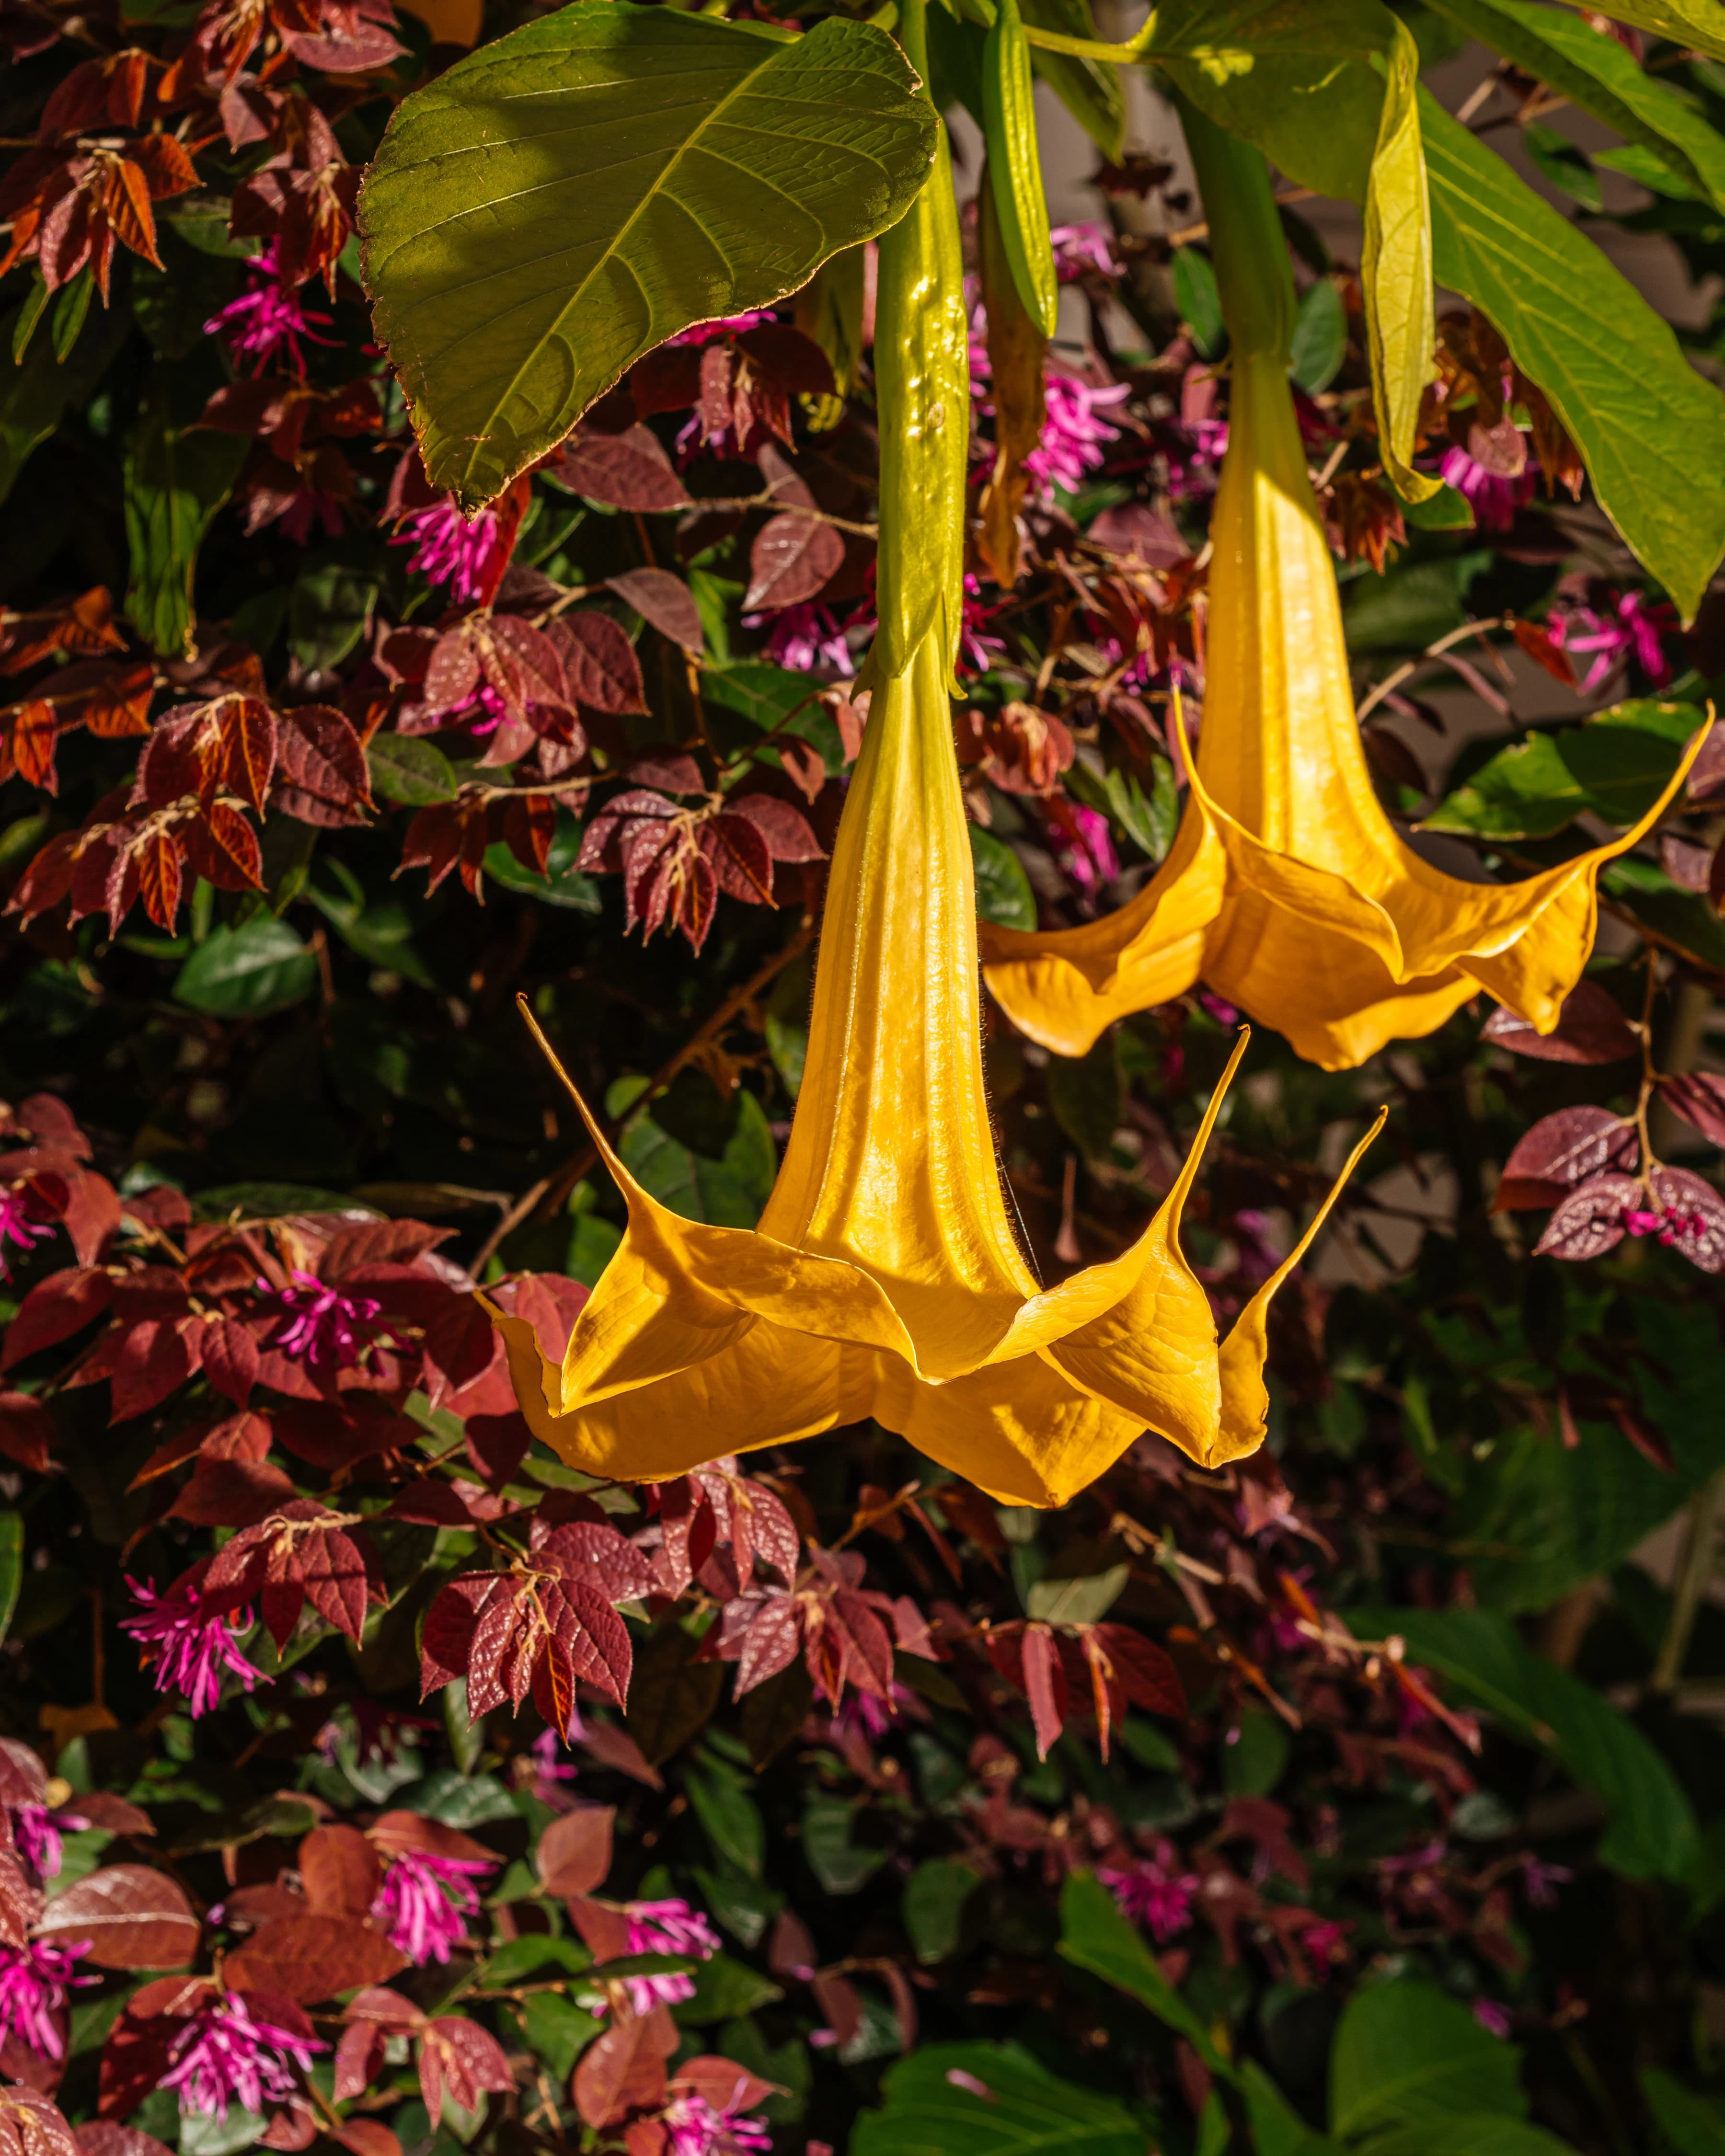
(1287, 889)
(884, 1278)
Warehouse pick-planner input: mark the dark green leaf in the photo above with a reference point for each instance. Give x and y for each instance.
(670, 1695)
(934, 2107)
(841, 1864)
(11, 1566)
(1616, 766)
(1406, 2052)
(729, 1816)
(1087, 1095)
(35, 393)
(1199, 302)
(723, 1989)
(247, 973)
(409, 769)
(178, 475)
(1002, 890)
(1096, 1936)
(728, 1189)
(330, 614)
(1320, 338)
(1694, 2124)
(934, 1899)
(557, 2029)
(750, 158)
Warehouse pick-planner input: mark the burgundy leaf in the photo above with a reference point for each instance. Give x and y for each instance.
(664, 601)
(1590, 1029)
(1561, 1150)
(1044, 1686)
(1698, 1096)
(599, 661)
(133, 1917)
(629, 471)
(1590, 1220)
(793, 559)
(574, 1854)
(1695, 1216)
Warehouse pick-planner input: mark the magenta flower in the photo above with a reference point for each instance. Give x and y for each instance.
(546, 1752)
(1491, 2017)
(1078, 248)
(667, 1928)
(1326, 1942)
(267, 318)
(449, 549)
(1073, 437)
(192, 1647)
(697, 2129)
(15, 1226)
(802, 638)
(1669, 1226)
(425, 1901)
(1494, 491)
(320, 1326)
(35, 1980)
(1082, 845)
(1154, 1892)
(1627, 625)
(223, 2056)
(36, 1834)
(728, 326)
(1540, 1880)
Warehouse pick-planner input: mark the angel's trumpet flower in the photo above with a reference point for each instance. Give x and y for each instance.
(1287, 889)
(885, 1279)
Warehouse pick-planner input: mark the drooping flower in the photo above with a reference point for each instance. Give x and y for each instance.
(190, 1643)
(697, 2128)
(1626, 624)
(17, 1227)
(449, 548)
(667, 1928)
(886, 1278)
(1287, 889)
(425, 1901)
(230, 2052)
(320, 1326)
(268, 319)
(802, 638)
(1495, 483)
(1156, 1893)
(35, 1982)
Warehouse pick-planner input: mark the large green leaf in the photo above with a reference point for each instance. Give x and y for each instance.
(1277, 2129)
(1650, 429)
(249, 972)
(565, 199)
(1595, 73)
(991, 2100)
(1616, 766)
(1480, 2133)
(1652, 1833)
(36, 392)
(1406, 2052)
(1096, 1936)
(1694, 2124)
(178, 475)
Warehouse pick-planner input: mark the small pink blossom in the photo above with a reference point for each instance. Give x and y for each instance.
(1494, 496)
(192, 1646)
(225, 2056)
(1156, 1893)
(1082, 845)
(1073, 438)
(1491, 2017)
(36, 1834)
(1669, 1226)
(546, 1752)
(802, 638)
(449, 548)
(1326, 1942)
(1627, 624)
(728, 326)
(267, 318)
(666, 1927)
(15, 1226)
(319, 1324)
(697, 2129)
(425, 1901)
(35, 1980)
(1078, 248)
(1540, 1880)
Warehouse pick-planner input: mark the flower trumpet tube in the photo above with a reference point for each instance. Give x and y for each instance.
(884, 1278)
(1288, 889)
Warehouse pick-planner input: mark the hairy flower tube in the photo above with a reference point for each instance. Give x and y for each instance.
(1287, 888)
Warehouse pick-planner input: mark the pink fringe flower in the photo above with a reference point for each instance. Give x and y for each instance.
(666, 1927)
(36, 1834)
(1493, 495)
(1631, 626)
(1082, 845)
(15, 1226)
(449, 549)
(425, 1901)
(802, 638)
(224, 2056)
(35, 1980)
(192, 1647)
(1491, 2017)
(1156, 1893)
(1078, 248)
(696, 2129)
(320, 1326)
(728, 326)
(267, 318)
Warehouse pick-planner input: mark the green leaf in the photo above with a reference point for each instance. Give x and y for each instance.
(1616, 766)
(1087, 1096)
(37, 391)
(1002, 890)
(1405, 2052)
(247, 973)
(1395, 269)
(1650, 429)
(1694, 2124)
(11, 1566)
(1320, 338)
(933, 1905)
(269, 1201)
(1700, 23)
(557, 2029)
(1593, 72)
(1407, 608)
(330, 614)
(725, 1989)
(407, 769)
(178, 475)
(728, 1815)
(1096, 1936)
(1256, 1755)
(1652, 1834)
(727, 1188)
(1480, 2133)
(1569, 170)
(517, 1960)
(382, 935)
(1199, 301)
(744, 1906)
(928, 2112)
(1077, 1601)
(562, 884)
(568, 197)
(774, 700)
(841, 1864)
(1277, 2129)
(1016, 165)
